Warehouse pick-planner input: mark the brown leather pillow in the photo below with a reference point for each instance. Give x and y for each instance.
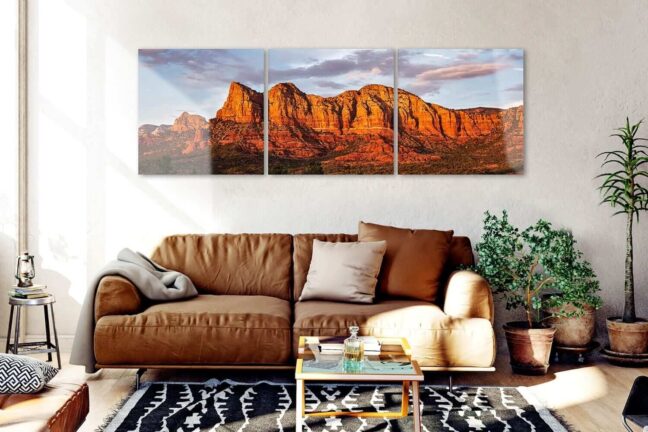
(414, 262)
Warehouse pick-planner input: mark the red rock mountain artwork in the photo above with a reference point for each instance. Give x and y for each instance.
(437, 140)
(229, 143)
(351, 133)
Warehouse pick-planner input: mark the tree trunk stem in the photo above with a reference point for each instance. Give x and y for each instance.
(629, 308)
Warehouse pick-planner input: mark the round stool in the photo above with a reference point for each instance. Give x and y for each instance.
(45, 346)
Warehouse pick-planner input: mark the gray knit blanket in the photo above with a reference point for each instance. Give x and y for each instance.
(152, 280)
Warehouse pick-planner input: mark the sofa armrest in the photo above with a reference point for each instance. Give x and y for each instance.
(116, 296)
(468, 295)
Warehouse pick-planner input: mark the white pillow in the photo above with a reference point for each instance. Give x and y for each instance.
(344, 272)
(20, 374)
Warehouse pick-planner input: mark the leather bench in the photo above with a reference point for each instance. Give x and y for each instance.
(61, 406)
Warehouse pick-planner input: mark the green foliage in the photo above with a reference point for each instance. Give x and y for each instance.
(165, 165)
(314, 168)
(622, 189)
(575, 281)
(621, 186)
(277, 169)
(521, 265)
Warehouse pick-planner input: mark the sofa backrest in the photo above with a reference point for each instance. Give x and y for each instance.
(460, 255)
(234, 264)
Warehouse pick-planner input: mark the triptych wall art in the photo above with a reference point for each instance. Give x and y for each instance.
(331, 111)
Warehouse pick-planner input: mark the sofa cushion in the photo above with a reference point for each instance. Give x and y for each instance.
(207, 329)
(231, 264)
(436, 338)
(415, 260)
(344, 271)
(460, 254)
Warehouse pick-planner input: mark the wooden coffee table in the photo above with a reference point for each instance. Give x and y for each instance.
(394, 364)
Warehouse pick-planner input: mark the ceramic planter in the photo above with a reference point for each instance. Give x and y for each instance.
(628, 338)
(529, 349)
(573, 332)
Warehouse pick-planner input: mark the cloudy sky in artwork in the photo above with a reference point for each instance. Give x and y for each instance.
(172, 81)
(329, 72)
(464, 78)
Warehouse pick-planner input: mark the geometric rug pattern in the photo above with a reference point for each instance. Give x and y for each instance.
(269, 406)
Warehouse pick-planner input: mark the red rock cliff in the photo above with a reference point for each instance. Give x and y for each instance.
(358, 111)
(354, 127)
(435, 122)
(243, 105)
(189, 122)
(239, 122)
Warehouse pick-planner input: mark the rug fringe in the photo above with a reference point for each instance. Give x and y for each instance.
(113, 412)
(561, 418)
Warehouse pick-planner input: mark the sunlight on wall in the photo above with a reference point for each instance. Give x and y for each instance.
(133, 201)
(62, 59)
(84, 182)
(59, 128)
(8, 151)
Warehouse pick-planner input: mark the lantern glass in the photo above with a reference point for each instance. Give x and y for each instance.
(25, 270)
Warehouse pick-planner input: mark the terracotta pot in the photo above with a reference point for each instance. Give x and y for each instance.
(575, 332)
(628, 338)
(529, 349)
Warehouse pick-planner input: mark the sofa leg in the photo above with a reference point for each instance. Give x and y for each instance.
(138, 377)
(450, 388)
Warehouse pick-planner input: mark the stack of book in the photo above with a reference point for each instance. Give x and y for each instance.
(334, 345)
(31, 292)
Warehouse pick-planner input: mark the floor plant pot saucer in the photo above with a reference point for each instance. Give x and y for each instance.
(574, 352)
(609, 352)
(624, 359)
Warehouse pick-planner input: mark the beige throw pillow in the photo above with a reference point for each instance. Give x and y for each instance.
(344, 272)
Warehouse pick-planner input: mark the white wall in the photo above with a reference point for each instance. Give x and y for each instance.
(586, 68)
(8, 153)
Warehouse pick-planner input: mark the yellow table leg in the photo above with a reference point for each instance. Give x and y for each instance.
(405, 402)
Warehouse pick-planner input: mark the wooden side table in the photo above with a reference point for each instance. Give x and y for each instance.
(46, 346)
(394, 364)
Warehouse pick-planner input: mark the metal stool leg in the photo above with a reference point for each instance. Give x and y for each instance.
(47, 334)
(58, 350)
(11, 313)
(17, 331)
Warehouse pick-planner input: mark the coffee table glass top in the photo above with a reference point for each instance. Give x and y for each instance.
(393, 360)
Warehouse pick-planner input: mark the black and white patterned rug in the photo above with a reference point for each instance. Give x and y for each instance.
(269, 406)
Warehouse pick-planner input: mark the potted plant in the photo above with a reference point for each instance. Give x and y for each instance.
(623, 190)
(571, 309)
(521, 266)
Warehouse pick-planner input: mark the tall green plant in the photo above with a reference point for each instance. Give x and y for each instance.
(622, 189)
(521, 265)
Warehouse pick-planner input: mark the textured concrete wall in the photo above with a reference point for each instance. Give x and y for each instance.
(585, 71)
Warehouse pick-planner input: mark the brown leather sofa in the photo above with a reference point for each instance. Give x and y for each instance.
(247, 313)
